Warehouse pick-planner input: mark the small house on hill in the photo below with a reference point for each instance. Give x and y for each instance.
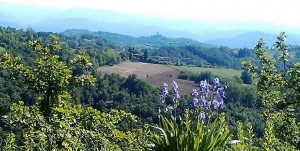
(164, 59)
(135, 57)
(185, 59)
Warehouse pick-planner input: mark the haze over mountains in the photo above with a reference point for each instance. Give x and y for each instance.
(231, 34)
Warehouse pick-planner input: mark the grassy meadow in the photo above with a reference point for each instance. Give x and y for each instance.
(221, 72)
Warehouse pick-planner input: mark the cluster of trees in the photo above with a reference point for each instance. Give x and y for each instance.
(198, 54)
(100, 51)
(66, 104)
(147, 42)
(53, 122)
(201, 56)
(278, 92)
(241, 100)
(109, 91)
(115, 92)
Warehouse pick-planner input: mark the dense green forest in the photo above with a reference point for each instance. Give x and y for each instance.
(50, 80)
(155, 41)
(181, 51)
(177, 49)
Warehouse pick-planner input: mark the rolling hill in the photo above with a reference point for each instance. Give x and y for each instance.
(249, 39)
(157, 74)
(154, 41)
(153, 74)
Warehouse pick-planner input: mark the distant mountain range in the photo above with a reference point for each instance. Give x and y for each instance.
(249, 40)
(154, 41)
(231, 34)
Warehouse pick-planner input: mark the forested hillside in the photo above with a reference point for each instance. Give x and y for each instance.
(109, 91)
(154, 41)
(178, 50)
(181, 51)
(53, 98)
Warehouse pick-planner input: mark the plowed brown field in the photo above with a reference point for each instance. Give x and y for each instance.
(157, 74)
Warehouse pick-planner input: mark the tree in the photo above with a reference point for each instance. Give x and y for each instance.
(135, 86)
(246, 77)
(145, 57)
(53, 123)
(49, 77)
(279, 91)
(244, 53)
(203, 76)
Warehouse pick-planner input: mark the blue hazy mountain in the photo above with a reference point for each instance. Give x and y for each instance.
(153, 41)
(249, 40)
(228, 33)
(55, 20)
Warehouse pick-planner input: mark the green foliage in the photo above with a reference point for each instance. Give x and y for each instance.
(220, 72)
(71, 127)
(115, 92)
(53, 123)
(154, 41)
(10, 142)
(196, 77)
(52, 72)
(187, 135)
(146, 55)
(246, 77)
(242, 94)
(278, 89)
(245, 53)
(245, 138)
(49, 77)
(200, 56)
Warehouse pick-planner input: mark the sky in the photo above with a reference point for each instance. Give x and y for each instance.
(278, 12)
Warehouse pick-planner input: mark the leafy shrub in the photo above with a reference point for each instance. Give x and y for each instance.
(188, 135)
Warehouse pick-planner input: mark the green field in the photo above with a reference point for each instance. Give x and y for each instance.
(221, 72)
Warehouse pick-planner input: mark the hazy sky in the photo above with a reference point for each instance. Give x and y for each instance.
(278, 12)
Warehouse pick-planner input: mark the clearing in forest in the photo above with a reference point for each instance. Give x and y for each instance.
(153, 74)
(220, 72)
(156, 74)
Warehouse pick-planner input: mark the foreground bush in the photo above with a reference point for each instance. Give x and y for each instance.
(53, 123)
(195, 132)
(187, 135)
(278, 88)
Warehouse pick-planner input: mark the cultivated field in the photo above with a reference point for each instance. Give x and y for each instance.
(156, 74)
(220, 72)
(153, 74)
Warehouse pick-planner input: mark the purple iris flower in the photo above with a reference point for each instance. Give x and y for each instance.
(221, 103)
(216, 82)
(194, 92)
(176, 96)
(164, 92)
(169, 108)
(201, 99)
(175, 91)
(195, 102)
(174, 86)
(202, 117)
(206, 105)
(208, 100)
(221, 92)
(216, 104)
(204, 86)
